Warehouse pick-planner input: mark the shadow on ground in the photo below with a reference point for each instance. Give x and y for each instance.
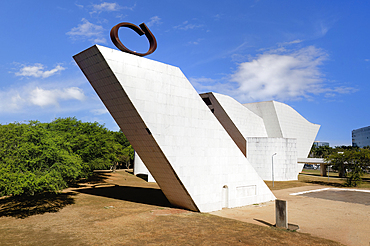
(264, 222)
(143, 177)
(97, 178)
(342, 196)
(133, 194)
(325, 183)
(25, 206)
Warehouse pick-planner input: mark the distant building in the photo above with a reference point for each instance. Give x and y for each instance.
(361, 137)
(318, 143)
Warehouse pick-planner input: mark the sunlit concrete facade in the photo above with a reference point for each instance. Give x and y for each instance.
(262, 129)
(282, 121)
(190, 155)
(261, 154)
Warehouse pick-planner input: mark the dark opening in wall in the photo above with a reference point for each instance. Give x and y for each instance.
(207, 101)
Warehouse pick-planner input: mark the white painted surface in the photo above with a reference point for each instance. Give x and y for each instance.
(260, 151)
(282, 121)
(249, 123)
(324, 189)
(140, 168)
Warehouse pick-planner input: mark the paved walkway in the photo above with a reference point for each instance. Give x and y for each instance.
(343, 195)
(336, 214)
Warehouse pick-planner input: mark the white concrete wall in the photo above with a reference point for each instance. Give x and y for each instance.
(281, 120)
(260, 151)
(140, 168)
(294, 125)
(249, 123)
(181, 142)
(266, 111)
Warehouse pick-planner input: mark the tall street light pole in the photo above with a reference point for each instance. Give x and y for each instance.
(273, 168)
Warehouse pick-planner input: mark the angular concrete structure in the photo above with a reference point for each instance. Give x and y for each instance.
(282, 121)
(190, 155)
(262, 129)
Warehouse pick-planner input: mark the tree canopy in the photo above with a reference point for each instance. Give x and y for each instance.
(37, 157)
(349, 161)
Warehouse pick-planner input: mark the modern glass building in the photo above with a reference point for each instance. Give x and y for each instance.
(361, 137)
(318, 143)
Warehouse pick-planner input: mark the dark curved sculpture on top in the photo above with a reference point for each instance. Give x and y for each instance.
(143, 30)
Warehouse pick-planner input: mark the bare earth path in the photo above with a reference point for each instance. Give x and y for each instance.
(322, 214)
(121, 209)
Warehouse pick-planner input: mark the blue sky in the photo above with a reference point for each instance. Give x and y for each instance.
(312, 55)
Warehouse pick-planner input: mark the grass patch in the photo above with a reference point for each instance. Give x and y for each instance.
(310, 177)
(132, 221)
(25, 206)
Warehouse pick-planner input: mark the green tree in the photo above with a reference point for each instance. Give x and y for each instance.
(350, 164)
(127, 156)
(320, 151)
(32, 160)
(338, 161)
(98, 147)
(38, 157)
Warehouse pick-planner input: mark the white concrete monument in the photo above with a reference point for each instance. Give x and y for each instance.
(262, 129)
(190, 155)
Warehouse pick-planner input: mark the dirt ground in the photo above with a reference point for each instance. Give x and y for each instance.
(335, 214)
(121, 209)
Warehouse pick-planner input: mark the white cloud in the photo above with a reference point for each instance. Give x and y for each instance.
(217, 17)
(108, 7)
(26, 98)
(297, 41)
(323, 28)
(43, 97)
(323, 25)
(276, 75)
(195, 42)
(121, 16)
(99, 40)
(331, 92)
(155, 20)
(186, 26)
(37, 70)
(280, 76)
(99, 111)
(44, 100)
(11, 101)
(203, 84)
(88, 30)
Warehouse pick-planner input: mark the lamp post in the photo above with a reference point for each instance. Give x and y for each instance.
(272, 161)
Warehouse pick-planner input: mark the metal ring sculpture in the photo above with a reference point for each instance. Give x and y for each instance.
(144, 30)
